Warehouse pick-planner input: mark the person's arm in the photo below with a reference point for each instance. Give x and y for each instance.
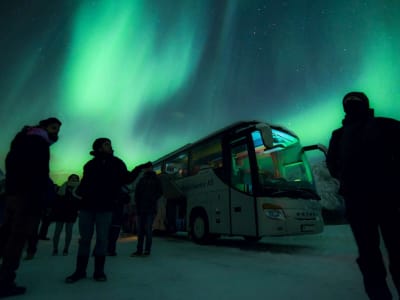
(81, 190)
(333, 155)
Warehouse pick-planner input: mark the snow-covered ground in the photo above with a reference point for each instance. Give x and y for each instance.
(298, 267)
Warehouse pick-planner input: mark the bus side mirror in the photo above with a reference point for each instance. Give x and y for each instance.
(319, 147)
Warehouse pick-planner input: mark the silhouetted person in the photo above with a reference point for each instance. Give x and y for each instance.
(101, 183)
(364, 154)
(2, 195)
(27, 181)
(147, 192)
(65, 212)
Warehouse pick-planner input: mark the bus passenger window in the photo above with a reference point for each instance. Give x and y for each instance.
(205, 156)
(157, 169)
(177, 166)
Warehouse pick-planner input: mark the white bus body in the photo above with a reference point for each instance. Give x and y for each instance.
(250, 179)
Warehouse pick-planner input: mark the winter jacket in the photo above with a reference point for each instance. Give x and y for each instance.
(365, 156)
(65, 208)
(147, 192)
(103, 177)
(27, 164)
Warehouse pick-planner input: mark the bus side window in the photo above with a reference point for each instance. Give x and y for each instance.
(158, 169)
(208, 155)
(177, 167)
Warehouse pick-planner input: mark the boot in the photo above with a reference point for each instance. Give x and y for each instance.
(98, 274)
(8, 290)
(80, 272)
(374, 278)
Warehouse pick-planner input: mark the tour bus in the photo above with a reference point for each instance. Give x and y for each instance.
(249, 179)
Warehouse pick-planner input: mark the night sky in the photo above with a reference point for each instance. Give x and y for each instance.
(153, 75)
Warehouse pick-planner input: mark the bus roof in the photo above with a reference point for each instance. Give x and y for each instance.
(241, 125)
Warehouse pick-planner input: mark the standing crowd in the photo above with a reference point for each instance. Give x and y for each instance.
(98, 197)
(363, 154)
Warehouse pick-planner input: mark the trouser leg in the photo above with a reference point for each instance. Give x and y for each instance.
(140, 233)
(149, 232)
(99, 262)
(57, 233)
(68, 235)
(81, 264)
(366, 233)
(5, 232)
(390, 228)
(103, 221)
(44, 226)
(86, 231)
(80, 271)
(115, 229)
(21, 225)
(33, 238)
(113, 237)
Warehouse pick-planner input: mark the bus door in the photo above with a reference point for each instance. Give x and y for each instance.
(242, 205)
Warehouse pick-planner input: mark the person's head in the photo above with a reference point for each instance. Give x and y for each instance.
(52, 126)
(102, 146)
(356, 104)
(73, 180)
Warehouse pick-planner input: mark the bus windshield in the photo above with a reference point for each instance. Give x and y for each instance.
(283, 170)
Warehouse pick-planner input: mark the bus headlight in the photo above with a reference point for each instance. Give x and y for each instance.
(273, 211)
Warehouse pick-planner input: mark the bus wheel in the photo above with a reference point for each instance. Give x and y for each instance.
(199, 229)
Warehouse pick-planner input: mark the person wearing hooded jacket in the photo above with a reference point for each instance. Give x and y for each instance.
(364, 155)
(27, 180)
(102, 179)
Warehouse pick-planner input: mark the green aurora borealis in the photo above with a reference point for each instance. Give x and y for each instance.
(155, 75)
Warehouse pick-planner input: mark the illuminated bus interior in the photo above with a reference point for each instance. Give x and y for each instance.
(281, 169)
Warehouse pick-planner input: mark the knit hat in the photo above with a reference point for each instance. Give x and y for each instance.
(49, 121)
(98, 143)
(355, 102)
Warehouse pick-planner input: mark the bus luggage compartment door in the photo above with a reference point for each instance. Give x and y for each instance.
(219, 211)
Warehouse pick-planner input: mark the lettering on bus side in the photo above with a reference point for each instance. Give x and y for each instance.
(197, 185)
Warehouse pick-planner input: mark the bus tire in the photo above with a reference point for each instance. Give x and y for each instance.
(199, 228)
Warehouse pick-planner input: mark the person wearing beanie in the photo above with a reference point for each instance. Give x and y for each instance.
(364, 155)
(99, 190)
(26, 188)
